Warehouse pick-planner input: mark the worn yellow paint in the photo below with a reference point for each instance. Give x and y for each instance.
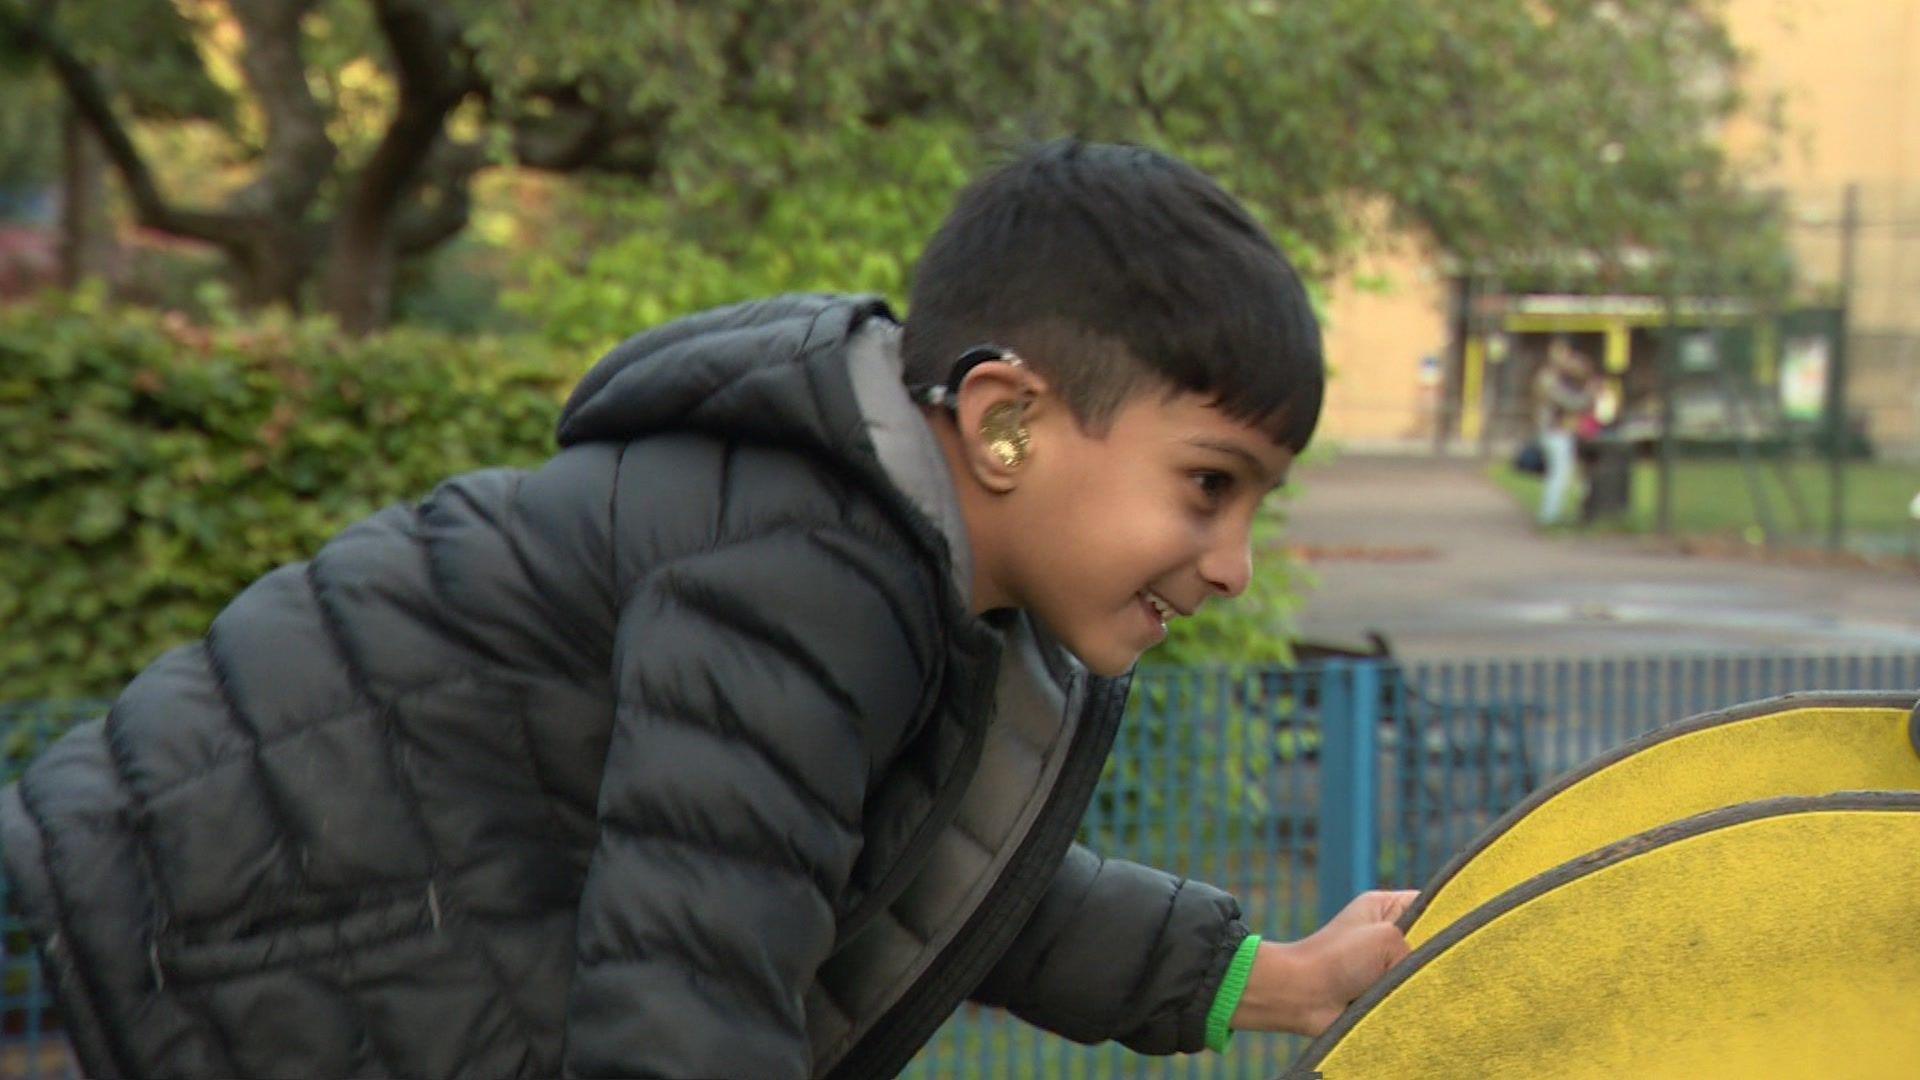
(1687, 314)
(1805, 751)
(1618, 349)
(1617, 328)
(1472, 377)
(1782, 947)
(1569, 322)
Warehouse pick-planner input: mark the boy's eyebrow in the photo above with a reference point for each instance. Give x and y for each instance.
(1235, 450)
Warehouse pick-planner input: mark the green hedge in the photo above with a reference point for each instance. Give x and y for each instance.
(151, 468)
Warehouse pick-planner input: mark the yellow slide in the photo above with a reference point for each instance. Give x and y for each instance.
(1800, 744)
(1774, 940)
(1735, 896)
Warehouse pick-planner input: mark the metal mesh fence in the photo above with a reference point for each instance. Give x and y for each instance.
(1802, 429)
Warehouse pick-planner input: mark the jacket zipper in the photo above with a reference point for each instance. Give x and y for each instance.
(906, 1027)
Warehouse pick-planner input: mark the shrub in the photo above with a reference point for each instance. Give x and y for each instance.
(150, 468)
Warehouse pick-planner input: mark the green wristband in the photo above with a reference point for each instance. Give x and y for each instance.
(1232, 988)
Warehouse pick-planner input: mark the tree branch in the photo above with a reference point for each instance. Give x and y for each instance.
(90, 100)
(444, 202)
(423, 227)
(433, 78)
(435, 72)
(575, 135)
(299, 156)
(565, 139)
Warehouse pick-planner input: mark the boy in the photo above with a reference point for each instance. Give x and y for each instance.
(748, 736)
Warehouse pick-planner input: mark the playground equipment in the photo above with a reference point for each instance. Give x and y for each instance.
(1736, 895)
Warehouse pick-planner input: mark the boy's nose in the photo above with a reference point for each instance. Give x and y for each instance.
(1228, 565)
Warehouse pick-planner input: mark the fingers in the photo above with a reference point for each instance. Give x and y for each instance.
(1393, 948)
(1382, 905)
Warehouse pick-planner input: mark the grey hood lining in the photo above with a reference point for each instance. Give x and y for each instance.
(1038, 706)
(906, 447)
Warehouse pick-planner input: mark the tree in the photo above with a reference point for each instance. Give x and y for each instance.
(1498, 127)
(29, 152)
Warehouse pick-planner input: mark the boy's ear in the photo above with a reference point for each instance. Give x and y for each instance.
(998, 403)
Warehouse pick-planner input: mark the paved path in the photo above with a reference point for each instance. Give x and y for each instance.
(1432, 554)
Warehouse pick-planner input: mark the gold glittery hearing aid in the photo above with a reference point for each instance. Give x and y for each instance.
(1006, 433)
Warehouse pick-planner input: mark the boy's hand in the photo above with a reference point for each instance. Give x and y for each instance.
(1301, 986)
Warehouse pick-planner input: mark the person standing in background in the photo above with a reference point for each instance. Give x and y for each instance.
(1563, 392)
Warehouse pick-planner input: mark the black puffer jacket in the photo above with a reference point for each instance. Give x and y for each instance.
(679, 755)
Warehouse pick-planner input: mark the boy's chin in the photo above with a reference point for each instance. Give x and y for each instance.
(1108, 663)
(1109, 659)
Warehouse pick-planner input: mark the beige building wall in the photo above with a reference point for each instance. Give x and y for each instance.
(1844, 71)
(1847, 75)
(1383, 317)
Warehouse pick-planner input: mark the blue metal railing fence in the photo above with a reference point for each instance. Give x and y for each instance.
(1292, 788)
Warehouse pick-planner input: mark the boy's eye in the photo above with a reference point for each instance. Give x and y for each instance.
(1214, 486)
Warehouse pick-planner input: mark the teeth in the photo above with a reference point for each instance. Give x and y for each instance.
(1161, 606)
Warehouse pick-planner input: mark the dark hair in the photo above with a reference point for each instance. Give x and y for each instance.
(1109, 268)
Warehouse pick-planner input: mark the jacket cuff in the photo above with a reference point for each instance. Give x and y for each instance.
(1197, 1009)
(1233, 986)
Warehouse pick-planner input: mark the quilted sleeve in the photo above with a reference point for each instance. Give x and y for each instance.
(759, 684)
(1121, 951)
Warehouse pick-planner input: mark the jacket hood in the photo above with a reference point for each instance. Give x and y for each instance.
(770, 370)
(783, 372)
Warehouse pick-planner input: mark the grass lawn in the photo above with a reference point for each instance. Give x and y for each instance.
(1715, 497)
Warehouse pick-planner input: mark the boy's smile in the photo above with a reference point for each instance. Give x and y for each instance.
(1107, 538)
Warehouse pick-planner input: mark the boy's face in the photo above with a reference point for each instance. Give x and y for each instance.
(1108, 532)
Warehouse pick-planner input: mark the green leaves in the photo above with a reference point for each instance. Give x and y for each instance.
(1515, 135)
(850, 219)
(152, 469)
(1502, 129)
